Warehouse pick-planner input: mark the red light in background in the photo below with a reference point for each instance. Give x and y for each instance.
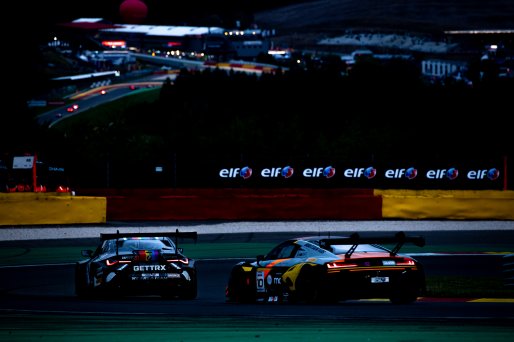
(114, 43)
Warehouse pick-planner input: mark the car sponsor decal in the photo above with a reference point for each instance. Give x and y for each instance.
(271, 281)
(275, 262)
(154, 276)
(144, 255)
(145, 268)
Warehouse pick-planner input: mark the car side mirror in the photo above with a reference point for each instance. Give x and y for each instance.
(259, 258)
(87, 253)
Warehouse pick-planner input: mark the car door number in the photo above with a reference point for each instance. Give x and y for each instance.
(259, 278)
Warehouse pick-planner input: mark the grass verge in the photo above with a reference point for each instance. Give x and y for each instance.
(468, 287)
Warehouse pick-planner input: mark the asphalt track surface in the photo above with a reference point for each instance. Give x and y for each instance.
(37, 301)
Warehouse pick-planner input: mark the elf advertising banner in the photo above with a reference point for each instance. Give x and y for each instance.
(477, 174)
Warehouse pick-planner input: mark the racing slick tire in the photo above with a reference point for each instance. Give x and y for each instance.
(82, 288)
(405, 295)
(238, 289)
(308, 287)
(184, 291)
(190, 292)
(409, 288)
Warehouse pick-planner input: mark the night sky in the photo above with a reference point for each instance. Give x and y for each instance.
(36, 21)
(165, 12)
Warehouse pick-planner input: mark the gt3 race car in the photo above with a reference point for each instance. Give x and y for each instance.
(330, 269)
(138, 264)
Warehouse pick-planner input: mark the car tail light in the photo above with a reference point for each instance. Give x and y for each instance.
(109, 262)
(112, 262)
(340, 264)
(185, 261)
(405, 262)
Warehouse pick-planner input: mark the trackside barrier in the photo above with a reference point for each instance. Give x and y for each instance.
(449, 204)
(239, 204)
(508, 269)
(50, 208)
(100, 205)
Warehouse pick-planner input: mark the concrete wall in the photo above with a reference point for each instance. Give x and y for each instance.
(26, 208)
(240, 204)
(449, 204)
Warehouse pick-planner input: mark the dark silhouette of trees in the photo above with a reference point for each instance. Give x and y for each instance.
(380, 111)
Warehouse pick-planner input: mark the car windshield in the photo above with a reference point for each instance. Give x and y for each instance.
(140, 244)
(341, 249)
(128, 244)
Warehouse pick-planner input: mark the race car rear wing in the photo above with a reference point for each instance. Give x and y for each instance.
(355, 239)
(176, 235)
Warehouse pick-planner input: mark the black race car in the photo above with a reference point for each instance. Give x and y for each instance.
(330, 269)
(138, 264)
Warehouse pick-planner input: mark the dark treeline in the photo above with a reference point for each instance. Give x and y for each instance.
(382, 109)
(377, 111)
